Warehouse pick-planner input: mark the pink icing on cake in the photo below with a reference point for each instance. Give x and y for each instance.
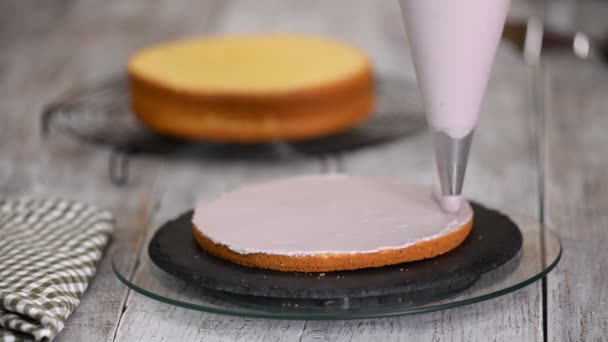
(325, 214)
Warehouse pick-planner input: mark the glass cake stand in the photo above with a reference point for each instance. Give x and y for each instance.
(540, 252)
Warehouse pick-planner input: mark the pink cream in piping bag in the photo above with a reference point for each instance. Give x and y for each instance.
(453, 46)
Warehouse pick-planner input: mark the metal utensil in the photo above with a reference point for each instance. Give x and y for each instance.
(533, 37)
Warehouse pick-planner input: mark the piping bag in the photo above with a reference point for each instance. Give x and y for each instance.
(453, 45)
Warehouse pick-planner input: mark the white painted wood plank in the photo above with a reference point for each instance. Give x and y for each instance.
(61, 167)
(576, 188)
(47, 49)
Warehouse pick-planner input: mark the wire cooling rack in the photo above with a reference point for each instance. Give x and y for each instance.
(100, 113)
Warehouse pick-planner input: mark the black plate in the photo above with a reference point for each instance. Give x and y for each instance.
(494, 240)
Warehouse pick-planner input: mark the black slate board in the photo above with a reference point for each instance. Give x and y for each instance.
(493, 241)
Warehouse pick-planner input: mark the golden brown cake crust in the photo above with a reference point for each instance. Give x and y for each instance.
(338, 262)
(239, 117)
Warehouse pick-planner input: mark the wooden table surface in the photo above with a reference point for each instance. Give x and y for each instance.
(541, 148)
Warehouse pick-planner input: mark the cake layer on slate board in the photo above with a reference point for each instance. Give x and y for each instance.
(328, 223)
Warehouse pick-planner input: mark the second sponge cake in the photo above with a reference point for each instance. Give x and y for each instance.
(251, 88)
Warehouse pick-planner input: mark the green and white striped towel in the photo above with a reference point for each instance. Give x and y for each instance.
(48, 254)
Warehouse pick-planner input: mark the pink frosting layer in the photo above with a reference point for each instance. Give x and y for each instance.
(325, 214)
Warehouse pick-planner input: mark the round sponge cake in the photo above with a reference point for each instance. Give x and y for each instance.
(328, 223)
(252, 88)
